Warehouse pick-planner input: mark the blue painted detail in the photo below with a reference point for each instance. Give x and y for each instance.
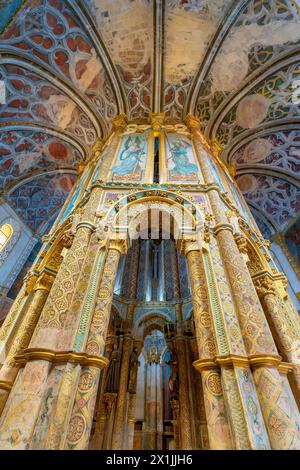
(7, 10)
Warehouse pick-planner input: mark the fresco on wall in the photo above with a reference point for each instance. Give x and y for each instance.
(181, 160)
(292, 237)
(132, 159)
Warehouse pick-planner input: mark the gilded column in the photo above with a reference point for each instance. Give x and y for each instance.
(80, 424)
(217, 423)
(286, 330)
(23, 336)
(175, 422)
(120, 416)
(12, 321)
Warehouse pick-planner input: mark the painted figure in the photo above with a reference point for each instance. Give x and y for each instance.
(179, 155)
(131, 157)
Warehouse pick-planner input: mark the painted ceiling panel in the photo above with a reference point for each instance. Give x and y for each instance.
(189, 28)
(73, 66)
(265, 29)
(281, 149)
(277, 198)
(27, 152)
(48, 30)
(271, 100)
(37, 199)
(127, 29)
(31, 98)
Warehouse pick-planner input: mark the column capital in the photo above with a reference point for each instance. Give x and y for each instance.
(264, 285)
(30, 281)
(67, 239)
(98, 147)
(120, 123)
(192, 122)
(44, 281)
(119, 245)
(242, 244)
(157, 120)
(186, 246)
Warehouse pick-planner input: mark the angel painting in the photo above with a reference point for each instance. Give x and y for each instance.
(180, 155)
(131, 157)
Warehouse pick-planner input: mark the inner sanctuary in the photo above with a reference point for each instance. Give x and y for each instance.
(149, 225)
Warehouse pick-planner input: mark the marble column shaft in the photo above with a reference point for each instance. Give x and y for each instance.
(23, 336)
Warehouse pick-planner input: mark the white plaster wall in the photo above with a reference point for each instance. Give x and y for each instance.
(20, 251)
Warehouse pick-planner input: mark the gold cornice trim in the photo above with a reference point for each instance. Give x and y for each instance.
(232, 360)
(264, 360)
(220, 227)
(81, 358)
(204, 364)
(5, 385)
(285, 367)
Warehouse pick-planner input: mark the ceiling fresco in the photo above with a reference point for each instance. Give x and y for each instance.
(70, 66)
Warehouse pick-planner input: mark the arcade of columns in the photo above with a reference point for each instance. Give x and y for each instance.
(56, 342)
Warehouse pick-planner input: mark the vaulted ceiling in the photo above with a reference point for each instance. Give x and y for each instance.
(70, 66)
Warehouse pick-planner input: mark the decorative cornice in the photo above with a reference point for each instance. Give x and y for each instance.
(232, 360)
(5, 385)
(83, 359)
